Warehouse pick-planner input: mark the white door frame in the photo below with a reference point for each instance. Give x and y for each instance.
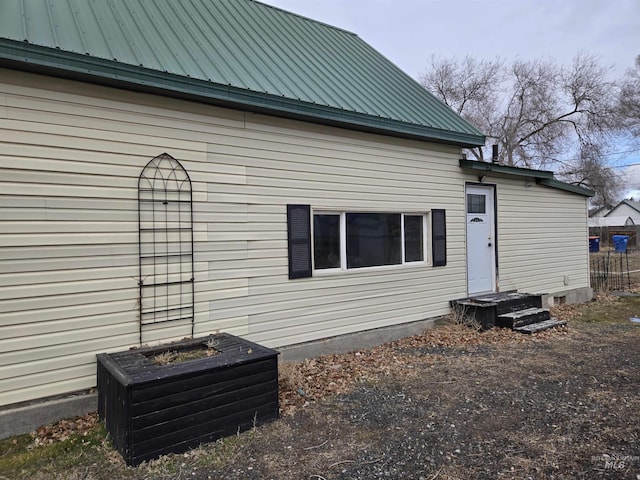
(481, 241)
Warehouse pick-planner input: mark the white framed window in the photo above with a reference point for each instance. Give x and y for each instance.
(353, 240)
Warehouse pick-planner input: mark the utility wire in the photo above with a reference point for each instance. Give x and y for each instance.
(623, 166)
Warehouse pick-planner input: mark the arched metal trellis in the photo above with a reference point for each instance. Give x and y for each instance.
(165, 219)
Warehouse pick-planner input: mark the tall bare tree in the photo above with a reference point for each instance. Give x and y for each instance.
(630, 99)
(590, 171)
(540, 114)
(470, 87)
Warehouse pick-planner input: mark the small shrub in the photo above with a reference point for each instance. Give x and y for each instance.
(460, 316)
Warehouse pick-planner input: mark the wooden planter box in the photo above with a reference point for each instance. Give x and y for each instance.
(150, 409)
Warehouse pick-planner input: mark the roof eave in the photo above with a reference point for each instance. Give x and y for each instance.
(504, 169)
(37, 59)
(567, 187)
(542, 177)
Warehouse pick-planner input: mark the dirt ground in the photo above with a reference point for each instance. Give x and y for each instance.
(449, 404)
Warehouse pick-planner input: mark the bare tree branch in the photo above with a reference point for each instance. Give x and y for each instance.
(629, 99)
(540, 113)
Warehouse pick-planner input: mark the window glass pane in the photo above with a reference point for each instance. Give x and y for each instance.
(476, 203)
(413, 243)
(326, 241)
(373, 239)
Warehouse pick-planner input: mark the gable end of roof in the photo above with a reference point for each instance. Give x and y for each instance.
(629, 203)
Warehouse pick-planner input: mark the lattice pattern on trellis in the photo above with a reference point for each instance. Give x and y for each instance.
(165, 217)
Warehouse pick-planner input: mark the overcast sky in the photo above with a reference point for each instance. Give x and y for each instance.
(409, 32)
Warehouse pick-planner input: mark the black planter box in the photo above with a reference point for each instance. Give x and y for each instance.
(150, 410)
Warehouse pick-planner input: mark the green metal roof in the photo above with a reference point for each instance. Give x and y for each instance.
(567, 187)
(239, 53)
(542, 177)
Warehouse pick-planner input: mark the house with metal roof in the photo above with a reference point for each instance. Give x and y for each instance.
(626, 208)
(171, 169)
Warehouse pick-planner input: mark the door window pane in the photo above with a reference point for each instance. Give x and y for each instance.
(326, 241)
(476, 203)
(373, 239)
(413, 240)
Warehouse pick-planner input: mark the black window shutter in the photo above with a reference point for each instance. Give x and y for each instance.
(299, 239)
(439, 237)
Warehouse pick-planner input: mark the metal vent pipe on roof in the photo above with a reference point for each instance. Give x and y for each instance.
(494, 154)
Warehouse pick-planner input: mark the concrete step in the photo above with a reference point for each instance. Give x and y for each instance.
(520, 318)
(540, 326)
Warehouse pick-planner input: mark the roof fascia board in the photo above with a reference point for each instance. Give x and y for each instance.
(45, 60)
(542, 177)
(629, 204)
(567, 187)
(504, 170)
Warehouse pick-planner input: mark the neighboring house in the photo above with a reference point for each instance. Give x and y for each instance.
(623, 219)
(626, 208)
(607, 221)
(599, 212)
(177, 168)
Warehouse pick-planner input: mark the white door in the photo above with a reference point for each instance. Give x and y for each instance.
(481, 245)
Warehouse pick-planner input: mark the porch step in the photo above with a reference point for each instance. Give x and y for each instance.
(520, 318)
(512, 301)
(488, 309)
(540, 326)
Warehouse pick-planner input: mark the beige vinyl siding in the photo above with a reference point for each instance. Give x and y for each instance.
(542, 238)
(330, 170)
(70, 157)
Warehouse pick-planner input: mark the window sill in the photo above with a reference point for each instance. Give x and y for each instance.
(381, 268)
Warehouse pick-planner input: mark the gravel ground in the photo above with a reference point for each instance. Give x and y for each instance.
(564, 407)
